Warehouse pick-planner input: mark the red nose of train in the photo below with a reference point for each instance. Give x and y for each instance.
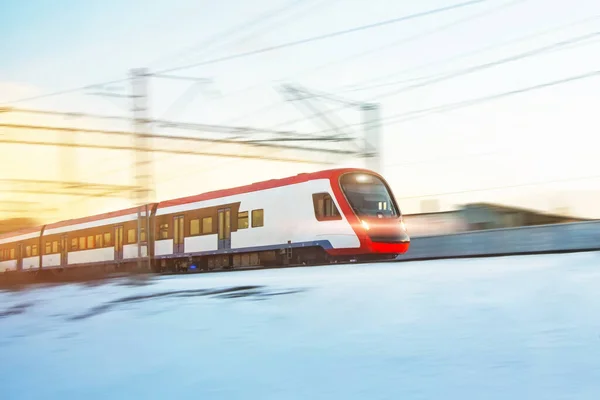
(386, 235)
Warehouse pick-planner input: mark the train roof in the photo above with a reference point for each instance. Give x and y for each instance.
(97, 217)
(263, 185)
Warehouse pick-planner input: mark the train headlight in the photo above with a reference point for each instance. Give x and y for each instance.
(365, 225)
(362, 178)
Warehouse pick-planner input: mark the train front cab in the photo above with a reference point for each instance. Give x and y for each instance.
(377, 216)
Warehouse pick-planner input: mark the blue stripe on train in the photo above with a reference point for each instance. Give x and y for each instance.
(325, 244)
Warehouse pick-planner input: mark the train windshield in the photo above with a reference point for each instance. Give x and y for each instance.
(368, 196)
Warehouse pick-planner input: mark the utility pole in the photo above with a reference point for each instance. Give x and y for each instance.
(372, 132)
(68, 164)
(142, 166)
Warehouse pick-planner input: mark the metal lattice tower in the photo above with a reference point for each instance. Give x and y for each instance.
(142, 167)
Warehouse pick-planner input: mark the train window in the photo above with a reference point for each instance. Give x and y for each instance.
(12, 254)
(207, 225)
(368, 196)
(325, 208)
(98, 241)
(34, 250)
(107, 239)
(74, 244)
(142, 235)
(164, 231)
(55, 247)
(28, 251)
(243, 220)
(258, 218)
(194, 227)
(131, 236)
(90, 242)
(82, 242)
(48, 247)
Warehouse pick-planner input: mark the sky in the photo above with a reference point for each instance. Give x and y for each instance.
(454, 157)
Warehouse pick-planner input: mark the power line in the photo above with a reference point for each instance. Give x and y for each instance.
(469, 70)
(403, 117)
(275, 47)
(472, 102)
(401, 41)
(266, 143)
(173, 151)
(465, 71)
(325, 36)
(356, 87)
(484, 49)
(216, 38)
(435, 78)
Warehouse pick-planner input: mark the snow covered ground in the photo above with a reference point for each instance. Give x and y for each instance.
(503, 328)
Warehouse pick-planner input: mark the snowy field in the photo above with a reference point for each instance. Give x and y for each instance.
(503, 328)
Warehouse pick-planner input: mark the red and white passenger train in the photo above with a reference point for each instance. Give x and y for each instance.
(327, 216)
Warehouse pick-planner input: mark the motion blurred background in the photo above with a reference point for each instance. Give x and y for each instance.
(480, 114)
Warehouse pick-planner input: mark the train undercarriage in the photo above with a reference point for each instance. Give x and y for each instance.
(289, 257)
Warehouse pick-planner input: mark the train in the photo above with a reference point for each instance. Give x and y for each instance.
(329, 216)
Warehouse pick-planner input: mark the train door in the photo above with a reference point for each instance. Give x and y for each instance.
(224, 228)
(118, 242)
(64, 251)
(19, 256)
(178, 234)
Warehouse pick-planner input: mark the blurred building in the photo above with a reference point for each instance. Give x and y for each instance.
(434, 223)
(478, 216)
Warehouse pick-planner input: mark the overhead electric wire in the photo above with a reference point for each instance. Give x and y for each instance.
(425, 79)
(352, 88)
(480, 67)
(218, 37)
(402, 117)
(467, 103)
(484, 49)
(361, 54)
(273, 48)
(325, 36)
(462, 72)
